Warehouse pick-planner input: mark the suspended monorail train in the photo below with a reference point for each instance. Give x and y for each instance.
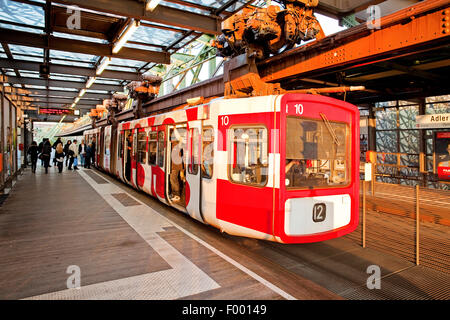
(282, 168)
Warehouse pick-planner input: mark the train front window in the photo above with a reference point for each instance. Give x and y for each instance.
(316, 153)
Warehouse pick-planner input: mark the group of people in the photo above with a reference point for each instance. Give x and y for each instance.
(70, 153)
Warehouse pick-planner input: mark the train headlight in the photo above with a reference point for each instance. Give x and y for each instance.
(287, 182)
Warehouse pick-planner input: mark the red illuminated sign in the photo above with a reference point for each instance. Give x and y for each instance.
(56, 111)
(442, 151)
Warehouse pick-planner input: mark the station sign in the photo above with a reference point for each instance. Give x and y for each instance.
(57, 111)
(442, 154)
(433, 121)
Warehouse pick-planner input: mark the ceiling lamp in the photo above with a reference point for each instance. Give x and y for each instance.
(103, 66)
(151, 4)
(90, 82)
(132, 27)
(82, 92)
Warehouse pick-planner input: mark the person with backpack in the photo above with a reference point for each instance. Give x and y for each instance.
(45, 154)
(33, 151)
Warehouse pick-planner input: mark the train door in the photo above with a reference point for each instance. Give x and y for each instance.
(176, 166)
(128, 156)
(141, 158)
(107, 149)
(120, 155)
(159, 177)
(193, 172)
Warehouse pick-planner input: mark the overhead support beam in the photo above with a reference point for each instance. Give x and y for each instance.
(70, 70)
(60, 100)
(62, 84)
(161, 14)
(63, 94)
(79, 46)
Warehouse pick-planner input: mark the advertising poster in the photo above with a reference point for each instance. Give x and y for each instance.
(442, 150)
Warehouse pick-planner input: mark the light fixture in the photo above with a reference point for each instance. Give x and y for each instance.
(90, 82)
(103, 66)
(73, 105)
(82, 92)
(151, 4)
(77, 99)
(131, 28)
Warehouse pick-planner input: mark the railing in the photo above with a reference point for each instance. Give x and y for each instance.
(412, 222)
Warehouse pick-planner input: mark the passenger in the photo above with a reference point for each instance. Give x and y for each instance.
(45, 155)
(73, 149)
(177, 176)
(59, 156)
(129, 152)
(82, 153)
(40, 147)
(66, 151)
(295, 170)
(207, 164)
(58, 141)
(33, 151)
(88, 156)
(93, 151)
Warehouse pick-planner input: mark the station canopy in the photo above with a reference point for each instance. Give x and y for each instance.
(52, 50)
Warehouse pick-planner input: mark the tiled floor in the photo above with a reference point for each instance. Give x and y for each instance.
(123, 248)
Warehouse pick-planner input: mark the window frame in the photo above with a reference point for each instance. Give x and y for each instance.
(191, 163)
(156, 147)
(142, 160)
(158, 150)
(203, 176)
(230, 151)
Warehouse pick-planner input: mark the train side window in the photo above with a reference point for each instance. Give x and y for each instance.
(107, 143)
(120, 149)
(249, 155)
(161, 149)
(193, 152)
(152, 146)
(142, 147)
(208, 153)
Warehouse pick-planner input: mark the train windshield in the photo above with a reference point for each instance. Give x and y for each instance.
(317, 153)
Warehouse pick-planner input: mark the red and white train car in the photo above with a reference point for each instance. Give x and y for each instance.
(281, 168)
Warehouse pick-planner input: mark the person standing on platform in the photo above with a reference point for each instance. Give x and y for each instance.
(41, 145)
(45, 154)
(93, 150)
(58, 141)
(33, 151)
(73, 150)
(59, 156)
(82, 153)
(66, 150)
(88, 156)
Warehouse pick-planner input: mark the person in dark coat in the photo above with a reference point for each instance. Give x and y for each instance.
(59, 156)
(46, 152)
(88, 156)
(58, 141)
(66, 151)
(33, 151)
(93, 151)
(41, 145)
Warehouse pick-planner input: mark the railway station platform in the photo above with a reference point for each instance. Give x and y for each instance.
(123, 244)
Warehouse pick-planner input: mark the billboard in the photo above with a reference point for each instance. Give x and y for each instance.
(442, 152)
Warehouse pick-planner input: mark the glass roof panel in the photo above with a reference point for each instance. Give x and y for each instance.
(27, 58)
(127, 63)
(154, 36)
(73, 56)
(16, 49)
(22, 13)
(19, 28)
(78, 37)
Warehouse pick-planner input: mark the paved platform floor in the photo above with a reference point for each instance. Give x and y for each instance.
(130, 246)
